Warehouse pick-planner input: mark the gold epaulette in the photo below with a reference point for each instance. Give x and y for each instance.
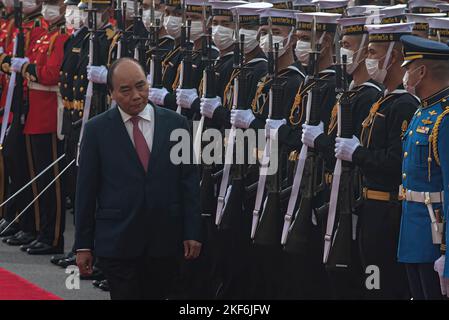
(52, 43)
(434, 137)
(110, 33)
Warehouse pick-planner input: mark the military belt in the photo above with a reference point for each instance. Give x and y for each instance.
(369, 194)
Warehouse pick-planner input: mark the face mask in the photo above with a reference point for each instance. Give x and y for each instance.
(129, 14)
(29, 6)
(302, 50)
(146, 17)
(172, 25)
(70, 16)
(83, 17)
(8, 3)
(223, 37)
(250, 39)
(375, 70)
(265, 45)
(196, 30)
(50, 12)
(410, 89)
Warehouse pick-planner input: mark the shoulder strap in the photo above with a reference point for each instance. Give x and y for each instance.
(434, 137)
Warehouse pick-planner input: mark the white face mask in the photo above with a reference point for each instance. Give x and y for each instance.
(8, 3)
(129, 14)
(83, 17)
(375, 70)
(265, 45)
(172, 25)
(302, 50)
(410, 89)
(29, 6)
(223, 37)
(196, 30)
(250, 39)
(50, 12)
(70, 16)
(146, 17)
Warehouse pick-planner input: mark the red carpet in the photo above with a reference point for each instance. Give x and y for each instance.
(13, 287)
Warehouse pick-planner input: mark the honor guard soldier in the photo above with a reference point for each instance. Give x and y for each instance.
(364, 92)
(425, 178)
(312, 280)
(41, 69)
(444, 7)
(183, 95)
(331, 6)
(423, 6)
(14, 148)
(378, 155)
(255, 62)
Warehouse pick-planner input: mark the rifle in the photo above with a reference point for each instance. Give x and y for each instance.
(185, 76)
(139, 50)
(122, 45)
(208, 198)
(15, 86)
(337, 248)
(308, 176)
(267, 229)
(92, 24)
(155, 52)
(229, 202)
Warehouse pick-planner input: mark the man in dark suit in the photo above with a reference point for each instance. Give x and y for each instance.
(134, 207)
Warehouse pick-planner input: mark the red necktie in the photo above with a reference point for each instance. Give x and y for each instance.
(142, 149)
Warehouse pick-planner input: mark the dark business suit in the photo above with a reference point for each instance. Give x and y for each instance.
(132, 218)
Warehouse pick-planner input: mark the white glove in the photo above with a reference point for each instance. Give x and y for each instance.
(344, 148)
(208, 106)
(310, 133)
(157, 96)
(185, 97)
(17, 64)
(438, 266)
(97, 74)
(2, 50)
(272, 127)
(242, 118)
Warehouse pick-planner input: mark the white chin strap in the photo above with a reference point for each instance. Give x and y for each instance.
(388, 55)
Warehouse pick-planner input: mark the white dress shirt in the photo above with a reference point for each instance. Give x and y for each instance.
(146, 124)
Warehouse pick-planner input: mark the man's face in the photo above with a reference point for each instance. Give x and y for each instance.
(351, 43)
(130, 88)
(277, 31)
(304, 35)
(171, 11)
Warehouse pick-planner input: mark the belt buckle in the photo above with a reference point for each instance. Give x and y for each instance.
(427, 200)
(365, 193)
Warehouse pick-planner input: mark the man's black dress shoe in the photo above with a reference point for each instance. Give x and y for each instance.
(56, 258)
(24, 238)
(25, 247)
(43, 248)
(97, 274)
(96, 283)
(12, 230)
(17, 234)
(104, 285)
(70, 261)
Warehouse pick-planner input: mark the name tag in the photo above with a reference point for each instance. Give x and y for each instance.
(424, 130)
(76, 50)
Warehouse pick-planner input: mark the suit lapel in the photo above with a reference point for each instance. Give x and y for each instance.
(122, 138)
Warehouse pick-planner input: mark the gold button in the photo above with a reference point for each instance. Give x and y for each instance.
(66, 74)
(405, 154)
(81, 89)
(82, 77)
(419, 113)
(417, 142)
(65, 85)
(59, 84)
(404, 176)
(75, 77)
(81, 114)
(410, 132)
(60, 73)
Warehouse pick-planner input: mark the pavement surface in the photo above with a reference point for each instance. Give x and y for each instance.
(40, 271)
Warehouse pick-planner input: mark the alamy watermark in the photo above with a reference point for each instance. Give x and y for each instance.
(248, 147)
